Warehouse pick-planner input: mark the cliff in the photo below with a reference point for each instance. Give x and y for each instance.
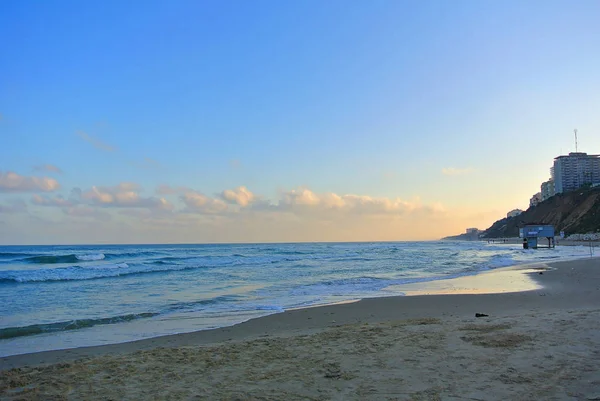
(572, 212)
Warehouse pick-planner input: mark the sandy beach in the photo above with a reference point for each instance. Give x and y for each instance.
(540, 343)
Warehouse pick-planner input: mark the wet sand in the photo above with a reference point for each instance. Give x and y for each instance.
(542, 343)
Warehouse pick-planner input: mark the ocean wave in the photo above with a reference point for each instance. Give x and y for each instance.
(81, 266)
(64, 273)
(290, 253)
(345, 286)
(200, 304)
(108, 266)
(12, 332)
(70, 258)
(363, 286)
(11, 255)
(74, 273)
(161, 262)
(133, 254)
(214, 260)
(499, 261)
(51, 259)
(166, 264)
(93, 256)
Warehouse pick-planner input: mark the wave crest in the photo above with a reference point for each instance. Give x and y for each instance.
(92, 256)
(70, 258)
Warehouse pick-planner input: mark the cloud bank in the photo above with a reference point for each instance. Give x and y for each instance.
(125, 194)
(196, 202)
(13, 182)
(122, 213)
(303, 201)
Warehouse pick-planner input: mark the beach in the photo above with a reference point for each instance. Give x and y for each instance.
(62, 297)
(537, 344)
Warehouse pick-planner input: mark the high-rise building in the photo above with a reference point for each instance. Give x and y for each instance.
(575, 170)
(548, 189)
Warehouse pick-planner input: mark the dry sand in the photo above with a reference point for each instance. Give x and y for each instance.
(542, 344)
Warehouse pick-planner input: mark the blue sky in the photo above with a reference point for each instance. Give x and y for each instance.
(421, 113)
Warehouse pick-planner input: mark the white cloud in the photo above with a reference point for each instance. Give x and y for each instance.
(300, 197)
(199, 203)
(123, 195)
(13, 206)
(457, 171)
(49, 168)
(98, 144)
(306, 201)
(57, 201)
(301, 201)
(13, 182)
(122, 213)
(240, 196)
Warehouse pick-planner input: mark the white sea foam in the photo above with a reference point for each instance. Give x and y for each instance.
(108, 266)
(92, 256)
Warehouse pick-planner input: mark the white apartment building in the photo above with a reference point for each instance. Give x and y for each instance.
(513, 213)
(575, 170)
(548, 189)
(535, 199)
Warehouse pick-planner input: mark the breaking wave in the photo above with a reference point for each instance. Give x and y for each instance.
(72, 258)
(12, 332)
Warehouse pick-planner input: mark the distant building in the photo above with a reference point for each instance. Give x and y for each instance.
(473, 233)
(547, 189)
(574, 171)
(535, 199)
(513, 213)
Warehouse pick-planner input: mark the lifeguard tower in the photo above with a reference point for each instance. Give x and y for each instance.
(534, 234)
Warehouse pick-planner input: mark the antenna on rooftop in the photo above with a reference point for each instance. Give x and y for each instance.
(575, 141)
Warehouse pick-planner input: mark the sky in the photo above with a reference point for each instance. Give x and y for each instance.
(268, 121)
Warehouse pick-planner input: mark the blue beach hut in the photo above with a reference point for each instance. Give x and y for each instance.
(534, 234)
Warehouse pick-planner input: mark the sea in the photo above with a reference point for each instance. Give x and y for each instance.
(57, 297)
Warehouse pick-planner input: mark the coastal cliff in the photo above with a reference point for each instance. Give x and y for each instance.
(575, 212)
(572, 212)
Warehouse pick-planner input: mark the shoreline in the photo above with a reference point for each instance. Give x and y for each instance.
(166, 320)
(417, 299)
(536, 344)
(435, 286)
(137, 330)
